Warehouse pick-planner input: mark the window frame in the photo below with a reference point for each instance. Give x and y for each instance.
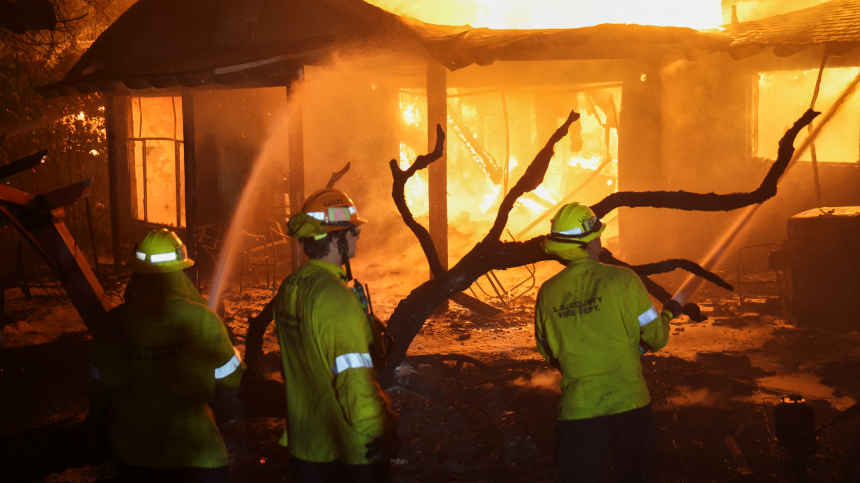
(179, 168)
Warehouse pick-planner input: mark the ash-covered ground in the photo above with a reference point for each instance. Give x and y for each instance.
(713, 389)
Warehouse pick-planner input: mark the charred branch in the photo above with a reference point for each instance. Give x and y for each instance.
(336, 176)
(677, 263)
(531, 179)
(254, 338)
(656, 290)
(682, 200)
(399, 195)
(492, 254)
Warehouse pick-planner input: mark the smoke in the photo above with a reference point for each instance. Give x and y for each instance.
(261, 173)
(549, 379)
(684, 397)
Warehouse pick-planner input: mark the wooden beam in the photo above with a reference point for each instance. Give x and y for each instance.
(115, 124)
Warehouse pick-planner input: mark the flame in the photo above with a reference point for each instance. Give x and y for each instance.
(542, 192)
(591, 163)
(416, 190)
(81, 116)
(409, 112)
(542, 14)
(532, 205)
(490, 198)
(512, 163)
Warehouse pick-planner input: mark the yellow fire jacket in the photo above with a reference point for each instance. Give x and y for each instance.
(589, 321)
(156, 360)
(334, 403)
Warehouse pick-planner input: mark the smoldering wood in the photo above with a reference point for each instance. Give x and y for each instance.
(493, 254)
(438, 360)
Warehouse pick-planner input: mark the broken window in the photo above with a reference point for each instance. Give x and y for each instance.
(781, 96)
(156, 160)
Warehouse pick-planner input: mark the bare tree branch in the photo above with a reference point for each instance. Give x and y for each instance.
(492, 254)
(531, 179)
(398, 192)
(337, 175)
(682, 200)
(666, 266)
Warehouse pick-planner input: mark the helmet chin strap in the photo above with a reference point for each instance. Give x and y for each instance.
(343, 248)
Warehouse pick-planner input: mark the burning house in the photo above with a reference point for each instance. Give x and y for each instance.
(197, 97)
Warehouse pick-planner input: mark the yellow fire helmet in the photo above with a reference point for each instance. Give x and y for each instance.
(324, 211)
(160, 251)
(573, 226)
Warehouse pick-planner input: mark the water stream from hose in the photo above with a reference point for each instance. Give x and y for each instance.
(693, 282)
(259, 177)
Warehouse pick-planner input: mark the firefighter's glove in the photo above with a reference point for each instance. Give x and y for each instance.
(673, 308)
(384, 448)
(303, 225)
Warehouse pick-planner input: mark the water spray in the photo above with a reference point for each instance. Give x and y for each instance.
(257, 179)
(693, 282)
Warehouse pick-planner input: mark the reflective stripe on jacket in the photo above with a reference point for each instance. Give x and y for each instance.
(589, 321)
(334, 403)
(157, 358)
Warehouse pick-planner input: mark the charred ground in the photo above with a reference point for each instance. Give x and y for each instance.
(713, 391)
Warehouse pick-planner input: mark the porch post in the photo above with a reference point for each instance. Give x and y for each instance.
(639, 157)
(111, 127)
(437, 113)
(297, 165)
(190, 182)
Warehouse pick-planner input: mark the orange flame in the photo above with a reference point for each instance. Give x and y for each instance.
(543, 14)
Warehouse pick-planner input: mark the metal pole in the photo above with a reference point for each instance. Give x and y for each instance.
(812, 151)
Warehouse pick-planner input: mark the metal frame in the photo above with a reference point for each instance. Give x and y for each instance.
(741, 273)
(505, 295)
(178, 145)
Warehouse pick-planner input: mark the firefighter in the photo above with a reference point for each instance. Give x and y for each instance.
(156, 362)
(592, 323)
(340, 426)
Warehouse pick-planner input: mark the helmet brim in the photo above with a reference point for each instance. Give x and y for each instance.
(571, 251)
(140, 266)
(356, 221)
